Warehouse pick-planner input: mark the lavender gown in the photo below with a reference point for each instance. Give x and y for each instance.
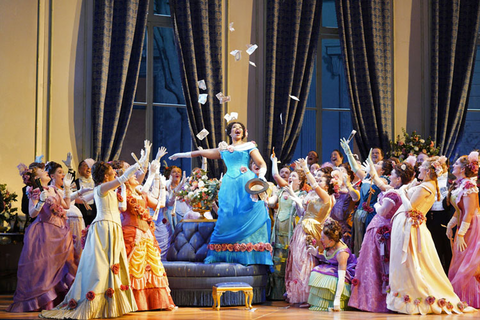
(369, 293)
(324, 278)
(46, 268)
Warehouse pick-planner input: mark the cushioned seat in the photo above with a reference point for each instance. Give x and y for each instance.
(191, 280)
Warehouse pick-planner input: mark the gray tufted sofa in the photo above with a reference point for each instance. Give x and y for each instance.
(191, 280)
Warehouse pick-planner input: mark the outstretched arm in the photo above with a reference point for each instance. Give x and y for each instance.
(207, 153)
(258, 159)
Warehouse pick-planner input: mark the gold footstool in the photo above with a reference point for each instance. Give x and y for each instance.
(220, 288)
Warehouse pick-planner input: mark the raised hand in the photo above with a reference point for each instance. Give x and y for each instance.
(160, 153)
(68, 161)
(345, 146)
(67, 180)
(148, 147)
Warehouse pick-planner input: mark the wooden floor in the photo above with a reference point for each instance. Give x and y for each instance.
(271, 310)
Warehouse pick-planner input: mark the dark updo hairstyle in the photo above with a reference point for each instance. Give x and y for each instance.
(118, 166)
(330, 186)
(350, 172)
(464, 162)
(405, 171)
(229, 128)
(387, 166)
(333, 230)
(29, 175)
(99, 170)
(326, 170)
(52, 166)
(339, 153)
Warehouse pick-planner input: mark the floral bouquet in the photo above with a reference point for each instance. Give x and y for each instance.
(8, 214)
(198, 191)
(412, 144)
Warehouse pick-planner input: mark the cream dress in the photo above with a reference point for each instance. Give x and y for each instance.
(418, 284)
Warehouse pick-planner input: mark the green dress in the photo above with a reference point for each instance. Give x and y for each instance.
(282, 232)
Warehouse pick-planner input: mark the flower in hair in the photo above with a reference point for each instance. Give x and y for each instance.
(442, 160)
(438, 167)
(473, 161)
(411, 160)
(403, 166)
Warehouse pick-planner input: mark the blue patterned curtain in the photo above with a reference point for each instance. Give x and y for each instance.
(365, 28)
(454, 34)
(198, 36)
(118, 33)
(293, 28)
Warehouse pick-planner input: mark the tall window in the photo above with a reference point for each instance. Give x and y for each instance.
(327, 115)
(159, 112)
(471, 134)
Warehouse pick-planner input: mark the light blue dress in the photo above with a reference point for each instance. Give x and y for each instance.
(242, 231)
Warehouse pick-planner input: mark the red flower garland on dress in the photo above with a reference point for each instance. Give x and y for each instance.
(72, 304)
(90, 295)
(109, 293)
(417, 217)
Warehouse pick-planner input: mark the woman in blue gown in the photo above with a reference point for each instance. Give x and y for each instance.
(242, 231)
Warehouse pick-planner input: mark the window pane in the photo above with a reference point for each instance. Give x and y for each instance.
(141, 92)
(171, 130)
(471, 132)
(135, 135)
(334, 85)
(161, 7)
(167, 85)
(307, 140)
(329, 16)
(335, 125)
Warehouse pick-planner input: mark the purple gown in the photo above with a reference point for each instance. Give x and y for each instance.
(47, 267)
(369, 291)
(324, 278)
(342, 212)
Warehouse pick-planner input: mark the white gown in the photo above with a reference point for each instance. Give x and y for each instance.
(418, 284)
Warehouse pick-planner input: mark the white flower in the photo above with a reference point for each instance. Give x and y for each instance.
(222, 146)
(422, 141)
(201, 184)
(190, 195)
(204, 178)
(416, 148)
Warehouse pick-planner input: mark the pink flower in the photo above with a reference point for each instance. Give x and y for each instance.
(442, 302)
(230, 247)
(123, 287)
(72, 304)
(218, 247)
(430, 300)
(268, 247)
(355, 282)
(249, 247)
(90, 295)
(211, 247)
(109, 293)
(396, 294)
(243, 247)
(450, 305)
(236, 247)
(243, 169)
(115, 268)
(407, 299)
(417, 301)
(230, 148)
(460, 306)
(224, 247)
(400, 143)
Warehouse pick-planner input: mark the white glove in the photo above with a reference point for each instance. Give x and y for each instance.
(312, 250)
(366, 167)
(338, 293)
(182, 182)
(274, 164)
(160, 153)
(123, 193)
(163, 192)
(128, 173)
(41, 201)
(67, 183)
(460, 241)
(148, 147)
(302, 163)
(39, 158)
(261, 173)
(451, 224)
(175, 156)
(154, 165)
(80, 193)
(68, 162)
